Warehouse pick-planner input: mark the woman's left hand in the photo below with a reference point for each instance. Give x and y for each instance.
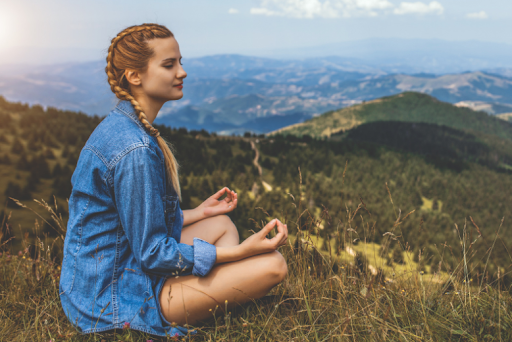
(213, 206)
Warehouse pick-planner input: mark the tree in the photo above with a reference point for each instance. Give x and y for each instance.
(65, 151)
(5, 159)
(23, 164)
(62, 186)
(39, 167)
(17, 147)
(33, 144)
(57, 171)
(14, 191)
(48, 154)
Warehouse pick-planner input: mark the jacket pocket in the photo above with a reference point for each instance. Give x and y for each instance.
(171, 204)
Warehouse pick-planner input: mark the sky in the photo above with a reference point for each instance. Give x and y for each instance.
(35, 31)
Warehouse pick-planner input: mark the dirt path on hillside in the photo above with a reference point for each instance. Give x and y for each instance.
(267, 186)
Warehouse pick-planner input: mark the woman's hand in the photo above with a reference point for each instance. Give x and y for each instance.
(258, 242)
(212, 206)
(255, 244)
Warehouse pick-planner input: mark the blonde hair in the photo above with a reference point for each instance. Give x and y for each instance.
(130, 50)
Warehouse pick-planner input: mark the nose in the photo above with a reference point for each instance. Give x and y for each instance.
(181, 72)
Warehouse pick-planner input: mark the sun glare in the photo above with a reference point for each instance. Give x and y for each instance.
(5, 22)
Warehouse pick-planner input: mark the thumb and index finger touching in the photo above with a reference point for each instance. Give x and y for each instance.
(282, 230)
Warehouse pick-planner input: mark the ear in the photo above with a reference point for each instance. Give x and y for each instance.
(132, 77)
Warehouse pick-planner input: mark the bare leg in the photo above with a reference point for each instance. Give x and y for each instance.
(188, 299)
(219, 231)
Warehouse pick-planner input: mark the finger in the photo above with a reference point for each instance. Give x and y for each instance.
(280, 234)
(228, 197)
(283, 241)
(268, 228)
(219, 193)
(231, 205)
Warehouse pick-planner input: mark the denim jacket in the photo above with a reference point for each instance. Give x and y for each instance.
(123, 232)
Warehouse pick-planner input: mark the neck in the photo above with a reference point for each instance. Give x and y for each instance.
(150, 106)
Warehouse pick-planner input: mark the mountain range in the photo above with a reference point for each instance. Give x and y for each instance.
(233, 93)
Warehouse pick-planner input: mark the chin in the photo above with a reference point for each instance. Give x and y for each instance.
(177, 97)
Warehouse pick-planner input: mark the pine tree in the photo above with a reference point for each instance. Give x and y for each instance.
(65, 151)
(14, 191)
(57, 171)
(39, 167)
(5, 159)
(23, 164)
(33, 145)
(17, 147)
(48, 154)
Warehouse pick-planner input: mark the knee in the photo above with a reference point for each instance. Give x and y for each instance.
(278, 268)
(225, 222)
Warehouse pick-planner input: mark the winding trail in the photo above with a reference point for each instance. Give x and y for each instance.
(267, 186)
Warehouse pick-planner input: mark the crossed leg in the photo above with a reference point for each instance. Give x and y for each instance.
(187, 299)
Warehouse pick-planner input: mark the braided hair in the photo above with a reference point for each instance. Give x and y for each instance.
(130, 50)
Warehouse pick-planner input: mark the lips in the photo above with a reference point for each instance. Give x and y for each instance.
(179, 86)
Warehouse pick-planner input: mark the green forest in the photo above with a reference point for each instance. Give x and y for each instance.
(445, 180)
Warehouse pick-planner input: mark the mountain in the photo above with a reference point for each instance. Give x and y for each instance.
(443, 174)
(233, 93)
(396, 55)
(406, 107)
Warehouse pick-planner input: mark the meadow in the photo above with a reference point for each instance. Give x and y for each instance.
(329, 294)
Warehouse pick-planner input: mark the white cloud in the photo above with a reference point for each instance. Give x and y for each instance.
(419, 8)
(232, 11)
(320, 8)
(477, 15)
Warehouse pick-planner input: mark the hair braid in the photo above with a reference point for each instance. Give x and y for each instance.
(138, 47)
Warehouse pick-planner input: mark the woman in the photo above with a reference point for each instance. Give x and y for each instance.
(132, 257)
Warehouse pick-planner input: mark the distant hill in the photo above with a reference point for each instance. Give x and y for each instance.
(443, 173)
(229, 93)
(505, 116)
(406, 107)
(489, 108)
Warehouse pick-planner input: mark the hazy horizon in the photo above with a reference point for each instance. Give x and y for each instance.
(57, 31)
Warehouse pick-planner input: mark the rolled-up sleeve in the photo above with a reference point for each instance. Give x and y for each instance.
(139, 188)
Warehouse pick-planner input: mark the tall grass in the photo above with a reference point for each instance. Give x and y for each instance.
(326, 296)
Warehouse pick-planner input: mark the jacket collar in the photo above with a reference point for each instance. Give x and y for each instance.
(126, 108)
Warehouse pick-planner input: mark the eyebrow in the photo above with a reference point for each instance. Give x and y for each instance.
(171, 59)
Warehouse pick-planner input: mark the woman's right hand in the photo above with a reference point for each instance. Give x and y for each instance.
(258, 242)
(255, 244)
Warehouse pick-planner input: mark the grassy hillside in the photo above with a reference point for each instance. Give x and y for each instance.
(408, 107)
(445, 175)
(323, 298)
(397, 228)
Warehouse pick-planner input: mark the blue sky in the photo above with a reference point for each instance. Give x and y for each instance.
(253, 27)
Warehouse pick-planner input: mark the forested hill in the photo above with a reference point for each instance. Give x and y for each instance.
(443, 175)
(408, 107)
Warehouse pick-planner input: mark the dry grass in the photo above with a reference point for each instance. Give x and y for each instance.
(327, 296)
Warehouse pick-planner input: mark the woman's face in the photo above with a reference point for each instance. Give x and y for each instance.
(163, 79)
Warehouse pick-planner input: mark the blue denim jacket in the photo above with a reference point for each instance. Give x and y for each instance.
(123, 232)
